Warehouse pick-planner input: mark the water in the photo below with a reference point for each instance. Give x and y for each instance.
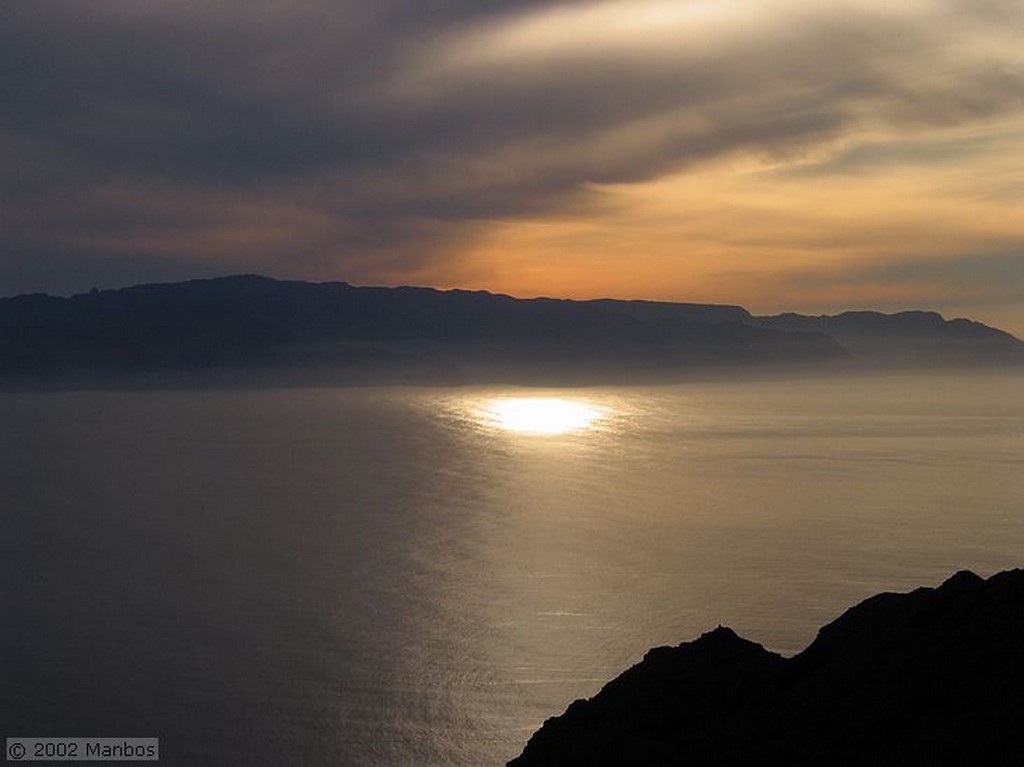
(392, 577)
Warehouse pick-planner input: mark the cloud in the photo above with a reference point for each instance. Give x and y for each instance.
(378, 142)
(857, 226)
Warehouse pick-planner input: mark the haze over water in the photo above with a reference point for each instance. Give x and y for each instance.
(421, 576)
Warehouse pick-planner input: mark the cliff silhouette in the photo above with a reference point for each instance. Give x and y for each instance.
(903, 338)
(931, 677)
(246, 326)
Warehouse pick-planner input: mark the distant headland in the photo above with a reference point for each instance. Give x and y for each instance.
(248, 328)
(932, 677)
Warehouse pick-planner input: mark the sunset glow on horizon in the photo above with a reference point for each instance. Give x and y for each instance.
(778, 154)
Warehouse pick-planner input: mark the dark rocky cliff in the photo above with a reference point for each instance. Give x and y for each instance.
(933, 677)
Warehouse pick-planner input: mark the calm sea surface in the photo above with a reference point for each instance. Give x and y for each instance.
(399, 577)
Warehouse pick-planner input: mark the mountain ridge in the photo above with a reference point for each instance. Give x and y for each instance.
(247, 324)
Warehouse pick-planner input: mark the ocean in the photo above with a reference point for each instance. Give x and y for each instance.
(418, 576)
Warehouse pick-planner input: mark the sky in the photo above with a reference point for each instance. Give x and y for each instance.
(779, 154)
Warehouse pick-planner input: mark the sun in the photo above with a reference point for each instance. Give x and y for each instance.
(541, 415)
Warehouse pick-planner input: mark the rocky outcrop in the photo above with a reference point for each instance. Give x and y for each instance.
(932, 677)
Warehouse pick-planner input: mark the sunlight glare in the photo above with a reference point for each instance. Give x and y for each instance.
(542, 415)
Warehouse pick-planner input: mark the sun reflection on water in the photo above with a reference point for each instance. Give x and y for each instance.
(541, 415)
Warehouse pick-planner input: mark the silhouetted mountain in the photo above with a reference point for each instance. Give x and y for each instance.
(664, 310)
(239, 328)
(910, 338)
(933, 677)
(255, 324)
